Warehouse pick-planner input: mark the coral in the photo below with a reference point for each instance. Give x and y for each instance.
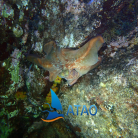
(7, 11)
(17, 30)
(113, 89)
(20, 95)
(57, 80)
(5, 129)
(121, 42)
(15, 71)
(13, 114)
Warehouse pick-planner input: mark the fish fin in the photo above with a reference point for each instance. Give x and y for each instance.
(88, 54)
(48, 47)
(34, 59)
(86, 69)
(43, 62)
(96, 43)
(95, 65)
(71, 82)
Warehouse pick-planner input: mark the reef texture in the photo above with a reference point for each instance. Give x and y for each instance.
(113, 88)
(27, 25)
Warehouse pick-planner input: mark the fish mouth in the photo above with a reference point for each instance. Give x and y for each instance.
(73, 74)
(72, 77)
(72, 81)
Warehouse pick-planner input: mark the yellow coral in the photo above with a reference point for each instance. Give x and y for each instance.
(55, 89)
(57, 80)
(20, 95)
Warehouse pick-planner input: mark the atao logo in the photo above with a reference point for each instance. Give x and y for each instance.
(84, 110)
(55, 103)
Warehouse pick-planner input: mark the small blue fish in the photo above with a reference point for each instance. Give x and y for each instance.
(90, 2)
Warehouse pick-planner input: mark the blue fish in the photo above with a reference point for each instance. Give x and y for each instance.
(90, 2)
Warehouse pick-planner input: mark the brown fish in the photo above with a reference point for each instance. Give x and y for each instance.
(68, 63)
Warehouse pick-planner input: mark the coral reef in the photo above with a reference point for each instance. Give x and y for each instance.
(113, 89)
(122, 42)
(27, 25)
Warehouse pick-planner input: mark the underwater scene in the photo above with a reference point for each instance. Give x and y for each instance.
(68, 68)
